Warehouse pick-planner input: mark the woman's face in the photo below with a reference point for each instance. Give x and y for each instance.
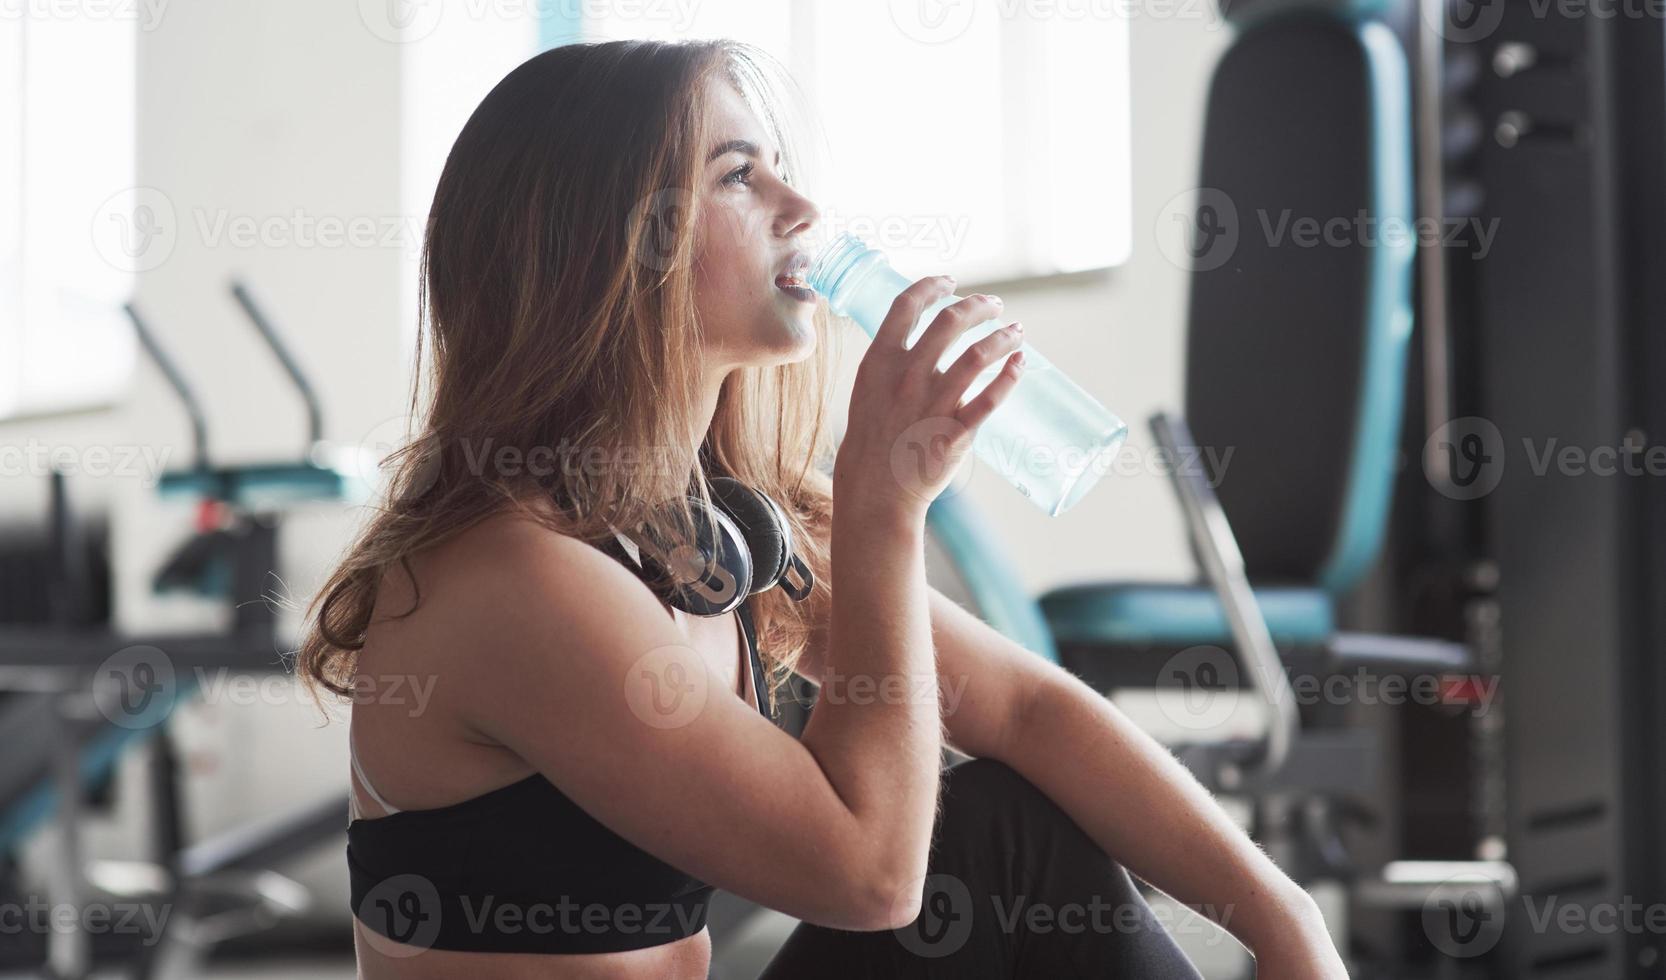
(750, 265)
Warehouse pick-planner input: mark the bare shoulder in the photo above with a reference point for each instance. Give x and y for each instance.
(498, 620)
(510, 589)
(499, 580)
(511, 558)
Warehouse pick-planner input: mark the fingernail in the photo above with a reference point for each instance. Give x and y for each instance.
(1015, 328)
(993, 299)
(1018, 361)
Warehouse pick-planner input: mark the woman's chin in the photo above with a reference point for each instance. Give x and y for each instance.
(796, 340)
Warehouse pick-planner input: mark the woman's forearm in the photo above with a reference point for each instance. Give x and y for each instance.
(1148, 812)
(877, 729)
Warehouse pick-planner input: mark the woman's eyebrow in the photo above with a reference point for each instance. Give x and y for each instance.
(744, 146)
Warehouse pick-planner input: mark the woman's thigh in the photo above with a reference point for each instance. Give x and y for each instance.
(1014, 888)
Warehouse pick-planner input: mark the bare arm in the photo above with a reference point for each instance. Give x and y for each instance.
(879, 734)
(575, 666)
(1145, 809)
(879, 737)
(1122, 787)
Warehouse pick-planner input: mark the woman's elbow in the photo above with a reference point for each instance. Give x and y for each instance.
(888, 901)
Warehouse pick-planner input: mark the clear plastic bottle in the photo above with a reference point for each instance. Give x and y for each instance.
(1049, 438)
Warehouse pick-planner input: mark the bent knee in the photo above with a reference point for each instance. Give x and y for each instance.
(987, 790)
(1001, 801)
(991, 780)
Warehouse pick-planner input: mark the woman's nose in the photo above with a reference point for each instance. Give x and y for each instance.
(798, 215)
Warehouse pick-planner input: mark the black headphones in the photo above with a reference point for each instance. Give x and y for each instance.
(743, 546)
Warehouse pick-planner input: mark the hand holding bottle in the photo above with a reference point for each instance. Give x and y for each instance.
(1049, 438)
(908, 429)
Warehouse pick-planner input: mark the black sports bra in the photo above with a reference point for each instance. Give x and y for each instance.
(521, 869)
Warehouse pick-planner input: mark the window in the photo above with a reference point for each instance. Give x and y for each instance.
(984, 137)
(74, 231)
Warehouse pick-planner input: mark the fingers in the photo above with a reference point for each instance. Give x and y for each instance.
(976, 359)
(906, 309)
(950, 323)
(974, 412)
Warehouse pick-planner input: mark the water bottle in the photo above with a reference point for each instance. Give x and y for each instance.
(1049, 438)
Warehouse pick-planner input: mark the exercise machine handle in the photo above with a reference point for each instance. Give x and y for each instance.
(292, 367)
(1223, 564)
(176, 381)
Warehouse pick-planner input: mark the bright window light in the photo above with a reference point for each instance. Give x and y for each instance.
(979, 137)
(74, 231)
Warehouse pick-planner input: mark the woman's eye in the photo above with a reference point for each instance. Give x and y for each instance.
(739, 175)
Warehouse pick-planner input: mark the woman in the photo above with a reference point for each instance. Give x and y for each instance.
(612, 276)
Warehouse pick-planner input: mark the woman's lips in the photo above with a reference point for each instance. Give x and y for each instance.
(794, 286)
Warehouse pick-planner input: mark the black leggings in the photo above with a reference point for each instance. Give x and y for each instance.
(1014, 888)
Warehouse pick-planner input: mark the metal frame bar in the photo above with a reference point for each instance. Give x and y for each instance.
(1223, 565)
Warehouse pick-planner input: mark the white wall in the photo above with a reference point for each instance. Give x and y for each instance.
(261, 111)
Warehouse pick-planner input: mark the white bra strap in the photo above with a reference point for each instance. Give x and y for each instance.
(365, 782)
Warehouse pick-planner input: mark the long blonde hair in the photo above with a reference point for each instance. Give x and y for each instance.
(557, 290)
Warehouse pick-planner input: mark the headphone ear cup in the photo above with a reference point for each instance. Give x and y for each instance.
(714, 574)
(768, 535)
(761, 520)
